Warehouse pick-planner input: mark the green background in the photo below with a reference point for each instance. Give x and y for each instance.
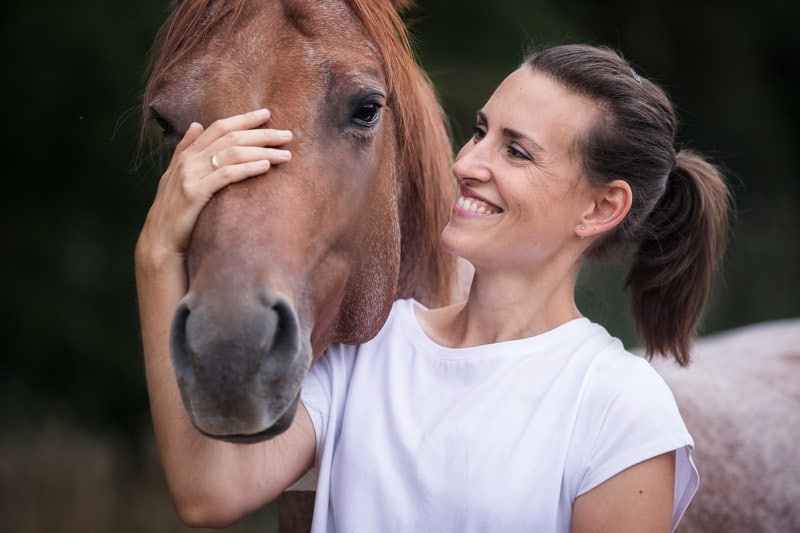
(76, 450)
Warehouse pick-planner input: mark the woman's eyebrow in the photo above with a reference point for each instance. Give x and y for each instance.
(513, 134)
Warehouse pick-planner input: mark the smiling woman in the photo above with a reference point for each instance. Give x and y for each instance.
(526, 388)
(442, 414)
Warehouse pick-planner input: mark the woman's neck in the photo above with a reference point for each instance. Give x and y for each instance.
(502, 307)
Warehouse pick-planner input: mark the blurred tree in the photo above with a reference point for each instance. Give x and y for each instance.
(71, 210)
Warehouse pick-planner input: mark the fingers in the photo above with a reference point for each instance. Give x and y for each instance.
(227, 174)
(204, 153)
(234, 155)
(240, 149)
(235, 140)
(192, 133)
(261, 137)
(236, 123)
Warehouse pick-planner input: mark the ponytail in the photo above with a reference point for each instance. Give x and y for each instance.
(672, 273)
(678, 218)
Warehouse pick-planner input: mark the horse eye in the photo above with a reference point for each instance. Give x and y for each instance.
(164, 125)
(169, 134)
(366, 115)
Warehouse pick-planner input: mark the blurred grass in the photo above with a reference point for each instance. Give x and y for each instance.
(67, 480)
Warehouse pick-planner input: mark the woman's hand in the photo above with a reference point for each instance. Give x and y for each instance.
(204, 162)
(212, 482)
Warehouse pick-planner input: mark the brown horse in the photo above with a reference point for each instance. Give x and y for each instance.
(282, 265)
(314, 252)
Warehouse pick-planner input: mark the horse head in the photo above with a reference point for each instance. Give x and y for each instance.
(314, 251)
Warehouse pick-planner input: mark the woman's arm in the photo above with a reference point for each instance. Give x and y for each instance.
(637, 499)
(213, 483)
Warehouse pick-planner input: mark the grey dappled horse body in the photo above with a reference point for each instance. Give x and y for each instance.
(740, 398)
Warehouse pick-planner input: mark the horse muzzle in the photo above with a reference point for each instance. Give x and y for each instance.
(240, 362)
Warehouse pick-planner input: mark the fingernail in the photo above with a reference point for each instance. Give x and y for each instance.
(261, 113)
(284, 154)
(284, 134)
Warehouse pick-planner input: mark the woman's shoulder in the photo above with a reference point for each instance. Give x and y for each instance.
(622, 390)
(614, 371)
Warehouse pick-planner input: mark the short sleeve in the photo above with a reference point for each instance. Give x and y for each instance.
(630, 416)
(323, 394)
(316, 395)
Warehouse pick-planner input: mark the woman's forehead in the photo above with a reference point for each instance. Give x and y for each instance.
(539, 107)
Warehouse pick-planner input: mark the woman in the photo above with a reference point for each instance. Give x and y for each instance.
(509, 411)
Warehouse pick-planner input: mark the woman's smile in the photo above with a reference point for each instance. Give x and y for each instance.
(470, 203)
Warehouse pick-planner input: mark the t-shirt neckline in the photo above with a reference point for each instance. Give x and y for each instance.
(528, 345)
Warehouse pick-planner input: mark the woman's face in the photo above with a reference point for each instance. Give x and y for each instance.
(522, 189)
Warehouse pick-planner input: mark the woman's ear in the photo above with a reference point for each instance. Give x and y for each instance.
(611, 204)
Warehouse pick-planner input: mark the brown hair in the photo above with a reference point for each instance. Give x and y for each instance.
(678, 219)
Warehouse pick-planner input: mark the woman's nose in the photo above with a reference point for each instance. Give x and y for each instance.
(473, 162)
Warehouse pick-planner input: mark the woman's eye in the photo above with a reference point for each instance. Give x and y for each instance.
(366, 115)
(478, 133)
(518, 153)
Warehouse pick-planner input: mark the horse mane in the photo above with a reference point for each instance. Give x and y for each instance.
(427, 272)
(427, 192)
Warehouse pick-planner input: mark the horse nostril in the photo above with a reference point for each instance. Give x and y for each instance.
(178, 346)
(281, 321)
(216, 340)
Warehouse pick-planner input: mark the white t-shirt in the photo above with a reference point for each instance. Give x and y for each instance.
(414, 436)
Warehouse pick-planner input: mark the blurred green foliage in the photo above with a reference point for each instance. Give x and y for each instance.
(74, 199)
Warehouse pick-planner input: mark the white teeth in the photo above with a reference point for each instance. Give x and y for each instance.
(475, 206)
